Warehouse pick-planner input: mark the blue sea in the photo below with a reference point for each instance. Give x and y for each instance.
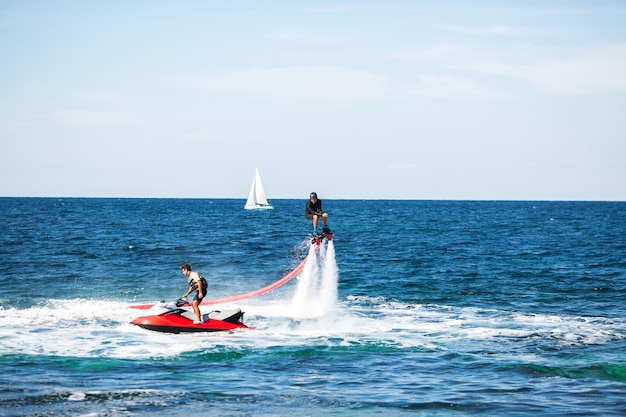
(425, 308)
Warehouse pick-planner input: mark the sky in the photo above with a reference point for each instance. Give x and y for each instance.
(393, 99)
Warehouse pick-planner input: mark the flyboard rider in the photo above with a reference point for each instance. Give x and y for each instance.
(313, 211)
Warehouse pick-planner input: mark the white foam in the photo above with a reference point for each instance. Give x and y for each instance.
(77, 396)
(307, 313)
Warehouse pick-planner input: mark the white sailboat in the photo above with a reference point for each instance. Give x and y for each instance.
(256, 197)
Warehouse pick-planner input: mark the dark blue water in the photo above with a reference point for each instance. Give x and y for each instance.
(437, 308)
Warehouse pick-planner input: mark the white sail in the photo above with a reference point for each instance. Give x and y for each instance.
(256, 198)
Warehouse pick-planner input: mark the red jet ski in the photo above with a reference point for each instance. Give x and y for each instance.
(173, 318)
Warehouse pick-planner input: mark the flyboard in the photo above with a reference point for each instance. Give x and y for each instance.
(176, 317)
(317, 238)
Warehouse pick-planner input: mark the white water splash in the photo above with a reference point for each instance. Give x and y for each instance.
(76, 328)
(311, 314)
(316, 292)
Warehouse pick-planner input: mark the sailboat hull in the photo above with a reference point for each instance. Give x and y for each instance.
(259, 207)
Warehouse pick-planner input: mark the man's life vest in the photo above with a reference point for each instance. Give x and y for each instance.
(194, 286)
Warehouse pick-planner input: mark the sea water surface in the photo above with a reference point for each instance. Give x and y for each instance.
(429, 308)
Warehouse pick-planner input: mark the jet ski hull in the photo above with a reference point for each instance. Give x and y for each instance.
(179, 320)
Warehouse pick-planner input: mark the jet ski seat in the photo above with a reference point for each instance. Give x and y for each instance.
(230, 316)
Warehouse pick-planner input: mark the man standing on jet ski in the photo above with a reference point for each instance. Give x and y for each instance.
(198, 284)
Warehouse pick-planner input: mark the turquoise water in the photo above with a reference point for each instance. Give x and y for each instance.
(448, 308)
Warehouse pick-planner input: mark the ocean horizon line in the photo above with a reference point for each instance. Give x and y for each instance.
(325, 199)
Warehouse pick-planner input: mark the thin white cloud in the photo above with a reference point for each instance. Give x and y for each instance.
(402, 166)
(495, 30)
(599, 70)
(103, 98)
(451, 88)
(433, 53)
(90, 118)
(307, 36)
(320, 83)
